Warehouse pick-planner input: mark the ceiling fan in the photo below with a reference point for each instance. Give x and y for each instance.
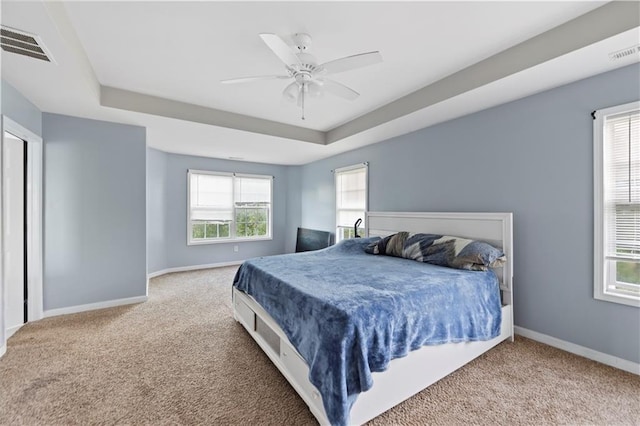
(309, 77)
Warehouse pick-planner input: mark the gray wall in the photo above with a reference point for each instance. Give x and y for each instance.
(94, 211)
(532, 157)
(178, 253)
(19, 109)
(156, 210)
(294, 207)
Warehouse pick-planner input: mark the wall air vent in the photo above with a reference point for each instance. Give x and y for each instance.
(633, 50)
(23, 43)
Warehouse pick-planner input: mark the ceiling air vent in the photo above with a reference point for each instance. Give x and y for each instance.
(624, 52)
(22, 43)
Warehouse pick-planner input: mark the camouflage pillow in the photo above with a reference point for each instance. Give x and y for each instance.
(443, 250)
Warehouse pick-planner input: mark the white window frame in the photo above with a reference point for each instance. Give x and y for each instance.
(232, 225)
(603, 272)
(336, 172)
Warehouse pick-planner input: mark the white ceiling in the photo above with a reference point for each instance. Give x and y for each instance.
(179, 51)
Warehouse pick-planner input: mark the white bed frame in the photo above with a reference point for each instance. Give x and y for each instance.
(409, 375)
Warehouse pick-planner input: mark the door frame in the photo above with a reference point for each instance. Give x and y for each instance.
(34, 214)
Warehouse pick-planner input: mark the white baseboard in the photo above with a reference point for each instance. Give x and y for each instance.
(194, 268)
(12, 330)
(93, 306)
(3, 350)
(601, 357)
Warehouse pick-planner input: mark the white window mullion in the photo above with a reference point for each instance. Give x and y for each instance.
(232, 225)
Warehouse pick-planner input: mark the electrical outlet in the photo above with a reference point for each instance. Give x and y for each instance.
(235, 248)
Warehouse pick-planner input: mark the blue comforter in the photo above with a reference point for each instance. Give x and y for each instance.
(349, 313)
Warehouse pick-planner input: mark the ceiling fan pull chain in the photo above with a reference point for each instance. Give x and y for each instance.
(302, 94)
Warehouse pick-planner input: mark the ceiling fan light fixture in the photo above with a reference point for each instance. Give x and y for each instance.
(290, 92)
(314, 89)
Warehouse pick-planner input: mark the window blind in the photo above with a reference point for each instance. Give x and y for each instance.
(251, 190)
(622, 186)
(211, 197)
(351, 196)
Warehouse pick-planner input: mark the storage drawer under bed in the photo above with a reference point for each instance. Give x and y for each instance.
(244, 314)
(278, 348)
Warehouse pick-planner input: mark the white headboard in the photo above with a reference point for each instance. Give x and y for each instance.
(494, 228)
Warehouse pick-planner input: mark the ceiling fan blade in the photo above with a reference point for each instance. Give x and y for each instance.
(340, 90)
(281, 49)
(352, 62)
(256, 78)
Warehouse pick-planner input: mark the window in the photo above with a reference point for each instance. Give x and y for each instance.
(617, 204)
(351, 200)
(227, 207)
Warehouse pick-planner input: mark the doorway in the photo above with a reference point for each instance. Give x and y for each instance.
(21, 266)
(15, 232)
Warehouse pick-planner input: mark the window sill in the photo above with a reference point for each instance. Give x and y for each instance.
(225, 241)
(618, 298)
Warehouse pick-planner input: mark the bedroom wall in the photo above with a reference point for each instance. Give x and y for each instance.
(156, 210)
(294, 207)
(179, 254)
(94, 211)
(532, 157)
(22, 111)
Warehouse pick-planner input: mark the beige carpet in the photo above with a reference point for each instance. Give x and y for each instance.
(180, 358)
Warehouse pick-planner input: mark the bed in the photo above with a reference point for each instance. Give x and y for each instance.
(351, 352)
